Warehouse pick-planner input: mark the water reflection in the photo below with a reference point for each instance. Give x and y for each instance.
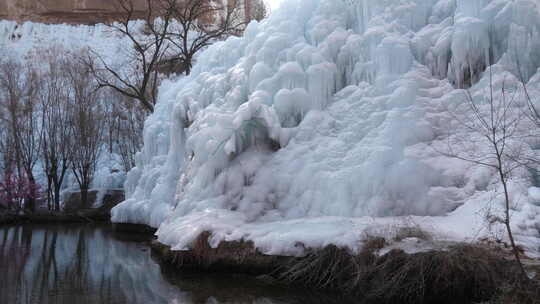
(92, 264)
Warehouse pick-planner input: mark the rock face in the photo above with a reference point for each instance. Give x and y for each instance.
(72, 11)
(109, 199)
(63, 11)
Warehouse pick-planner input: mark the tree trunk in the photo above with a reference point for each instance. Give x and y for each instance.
(30, 200)
(84, 196)
(57, 187)
(50, 195)
(30, 205)
(515, 250)
(188, 65)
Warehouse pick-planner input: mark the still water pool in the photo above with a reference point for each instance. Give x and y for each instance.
(80, 264)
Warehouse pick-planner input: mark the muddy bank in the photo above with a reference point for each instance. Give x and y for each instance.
(231, 257)
(462, 273)
(74, 210)
(9, 219)
(133, 228)
(82, 216)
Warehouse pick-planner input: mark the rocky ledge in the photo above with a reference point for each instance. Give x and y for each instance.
(66, 11)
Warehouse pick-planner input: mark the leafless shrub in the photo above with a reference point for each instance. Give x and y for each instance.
(496, 137)
(174, 31)
(125, 124)
(199, 23)
(58, 139)
(87, 117)
(137, 78)
(19, 88)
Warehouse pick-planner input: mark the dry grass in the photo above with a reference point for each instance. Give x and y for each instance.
(329, 268)
(231, 257)
(517, 290)
(399, 231)
(460, 274)
(411, 232)
(466, 273)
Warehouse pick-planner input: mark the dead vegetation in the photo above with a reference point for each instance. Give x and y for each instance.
(462, 273)
(233, 257)
(412, 232)
(517, 291)
(405, 228)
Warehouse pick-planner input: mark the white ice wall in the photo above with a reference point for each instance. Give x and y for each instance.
(333, 109)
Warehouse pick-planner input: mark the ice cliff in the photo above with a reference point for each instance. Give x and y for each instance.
(328, 119)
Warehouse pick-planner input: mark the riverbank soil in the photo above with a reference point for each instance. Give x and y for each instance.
(74, 210)
(232, 257)
(134, 228)
(462, 273)
(81, 216)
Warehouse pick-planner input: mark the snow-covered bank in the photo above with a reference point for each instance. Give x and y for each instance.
(457, 273)
(327, 121)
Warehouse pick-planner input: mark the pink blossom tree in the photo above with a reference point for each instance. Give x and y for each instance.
(16, 189)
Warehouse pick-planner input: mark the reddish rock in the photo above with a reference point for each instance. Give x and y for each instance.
(64, 11)
(70, 11)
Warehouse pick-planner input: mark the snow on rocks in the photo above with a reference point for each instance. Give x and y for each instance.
(20, 39)
(329, 118)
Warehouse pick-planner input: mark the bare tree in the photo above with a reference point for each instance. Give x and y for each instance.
(259, 10)
(533, 113)
(174, 31)
(57, 140)
(125, 123)
(19, 85)
(86, 121)
(199, 23)
(7, 154)
(496, 123)
(138, 78)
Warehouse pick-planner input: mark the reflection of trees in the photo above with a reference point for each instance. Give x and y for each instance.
(49, 280)
(14, 252)
(207, 288)
(75, 283)
(87, 265)
(46, 267)
(76, 273)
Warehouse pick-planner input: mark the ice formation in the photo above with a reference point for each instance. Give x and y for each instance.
(327, 120)
(19, 39)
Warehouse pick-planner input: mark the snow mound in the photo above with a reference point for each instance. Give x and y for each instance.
(329, 118)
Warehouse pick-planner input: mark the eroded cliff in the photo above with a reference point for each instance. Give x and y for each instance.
(65, 11)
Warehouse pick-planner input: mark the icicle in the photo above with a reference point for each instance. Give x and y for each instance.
(322, 83)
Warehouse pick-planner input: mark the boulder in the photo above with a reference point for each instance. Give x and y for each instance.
(108, 199)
